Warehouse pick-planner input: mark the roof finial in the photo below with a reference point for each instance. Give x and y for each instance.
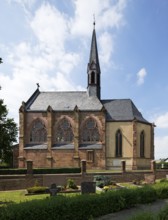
(94, 22)
(37, 85)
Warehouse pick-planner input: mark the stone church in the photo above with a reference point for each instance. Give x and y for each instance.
(59, 129)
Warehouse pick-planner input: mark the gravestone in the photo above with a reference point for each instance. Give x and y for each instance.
(150, 178)
(53, 190)
(88, 187)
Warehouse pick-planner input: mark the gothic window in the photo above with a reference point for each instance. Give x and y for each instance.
(64, 133)
(38, 132)
(118, 144)
(90, 131)
(92, 78)
(142, 144)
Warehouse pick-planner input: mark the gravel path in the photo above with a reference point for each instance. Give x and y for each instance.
(128, 213)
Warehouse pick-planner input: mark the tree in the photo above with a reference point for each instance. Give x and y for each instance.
(8, 134)
(1, 60)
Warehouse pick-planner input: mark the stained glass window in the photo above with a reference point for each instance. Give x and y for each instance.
(118, 144)
(90, 132)
(64, 133)
(38, 132)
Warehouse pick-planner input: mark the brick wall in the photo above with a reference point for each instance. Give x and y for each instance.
(14, 182)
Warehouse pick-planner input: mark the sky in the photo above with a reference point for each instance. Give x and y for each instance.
(48, 42)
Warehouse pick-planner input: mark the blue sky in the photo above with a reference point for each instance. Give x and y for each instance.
(49, 42)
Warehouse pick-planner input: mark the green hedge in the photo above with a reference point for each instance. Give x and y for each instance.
(81, 207)
(161, 190)
(162, 165)
(40, 171)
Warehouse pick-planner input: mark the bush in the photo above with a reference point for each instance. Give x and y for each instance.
(37, 189)
(81, 207)
(146, 194)
(161, 190)
(71, 184)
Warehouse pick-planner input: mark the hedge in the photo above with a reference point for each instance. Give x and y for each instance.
(80, 207)
(162, 165)
(40, 171)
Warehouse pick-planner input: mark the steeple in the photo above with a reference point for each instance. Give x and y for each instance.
(93, 69)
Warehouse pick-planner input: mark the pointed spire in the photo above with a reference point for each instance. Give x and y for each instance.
(94, 58)
(93, 69)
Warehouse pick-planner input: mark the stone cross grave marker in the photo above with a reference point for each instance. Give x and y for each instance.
(53, 189)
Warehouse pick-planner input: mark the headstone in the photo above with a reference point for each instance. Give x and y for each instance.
(88, 187)
(150, 178)
(53, 190)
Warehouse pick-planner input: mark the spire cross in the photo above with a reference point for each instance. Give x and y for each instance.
(37, 85)
(94, 22)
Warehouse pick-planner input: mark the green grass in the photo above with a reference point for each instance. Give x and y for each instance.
(18, 196)
(129, 185)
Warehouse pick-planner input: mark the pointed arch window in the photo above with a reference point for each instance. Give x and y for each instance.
(142, 144)
(38, 132)
(64, 133)
(90, 132)
(118, 144)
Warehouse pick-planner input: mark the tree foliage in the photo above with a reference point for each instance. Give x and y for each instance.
(1, 60)
(8, 133)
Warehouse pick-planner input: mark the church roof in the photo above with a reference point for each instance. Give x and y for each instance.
(116, 109)
(63, 101)
(122, 110)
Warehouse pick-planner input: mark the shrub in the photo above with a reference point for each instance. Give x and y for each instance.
(37, 189)
(161, 190)
(84, 207)
(71, 184)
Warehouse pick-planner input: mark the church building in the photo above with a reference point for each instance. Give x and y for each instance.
(59, 129)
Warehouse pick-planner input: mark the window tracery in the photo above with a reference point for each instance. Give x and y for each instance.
(64, 133)
(90, 131)
(38, 132)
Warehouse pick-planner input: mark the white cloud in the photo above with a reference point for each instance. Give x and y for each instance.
(141, 76)
(107, 13)
(162, 121)
(45, 58)
(106, 47)
(161, 147)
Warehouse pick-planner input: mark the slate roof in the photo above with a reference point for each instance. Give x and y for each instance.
(63, 101)
(122, 110)
(116, 109)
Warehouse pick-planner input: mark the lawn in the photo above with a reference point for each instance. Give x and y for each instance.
(7, 197)
(17, 196)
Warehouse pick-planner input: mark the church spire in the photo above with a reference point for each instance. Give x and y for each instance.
(94, 67)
